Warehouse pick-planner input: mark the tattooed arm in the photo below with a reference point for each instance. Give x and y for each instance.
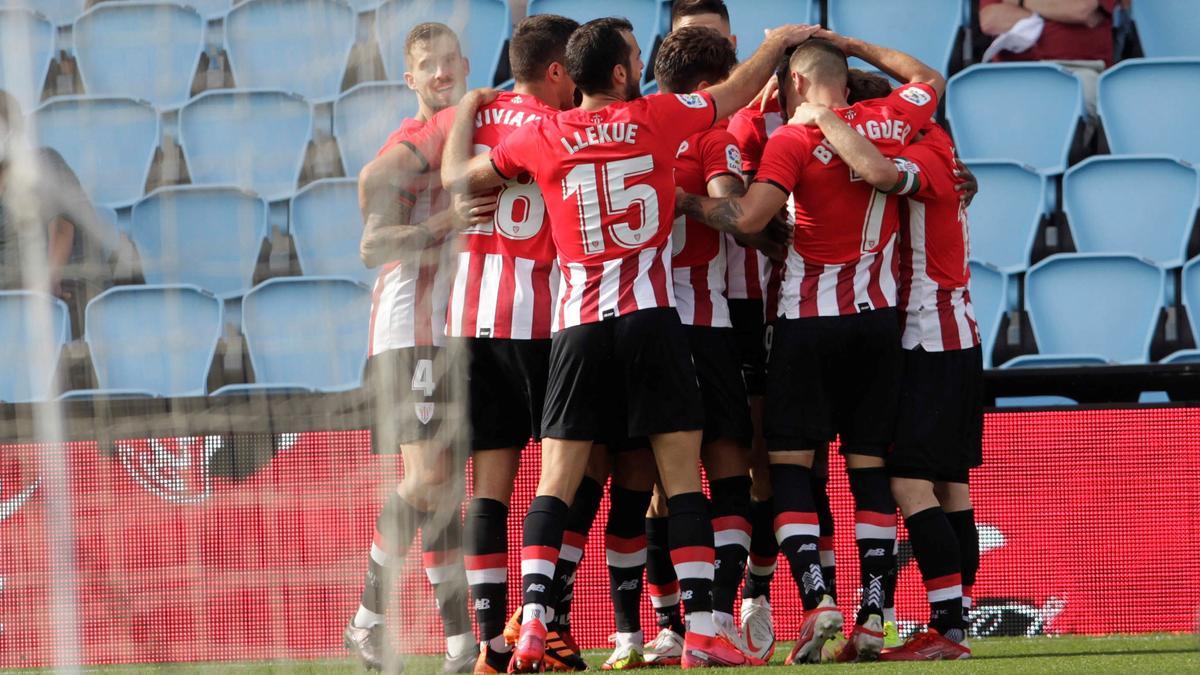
(748, 214)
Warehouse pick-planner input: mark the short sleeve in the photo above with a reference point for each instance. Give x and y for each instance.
(720, 155)
(916, 102)
(783, 159)
(429, 142)
(517, 153)
(678, 117)
(749, 129)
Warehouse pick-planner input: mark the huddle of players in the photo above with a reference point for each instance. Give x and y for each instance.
(630, 340)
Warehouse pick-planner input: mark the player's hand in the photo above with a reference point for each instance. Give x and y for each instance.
(840, 41)
(791, 34)
(474, 209)
(968, 184)
(482, 96)
(808, 114)
(764, 97)
(774, 240)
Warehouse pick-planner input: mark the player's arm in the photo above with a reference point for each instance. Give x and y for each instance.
(748, 213)
(386, 201)
(772, 239)
(895, 64)
(749, 77)
(464, 171)
(856, 151)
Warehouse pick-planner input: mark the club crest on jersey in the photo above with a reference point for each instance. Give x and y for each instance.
(424, 411)
(915, 96)
(733, 158)
(692, 100)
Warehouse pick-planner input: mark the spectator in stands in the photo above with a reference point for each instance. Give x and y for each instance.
(44, 212)
(1077, 34)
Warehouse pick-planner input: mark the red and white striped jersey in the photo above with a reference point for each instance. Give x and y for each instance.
(698, 260)
(747, 268)
(408, 303)
(934, 250)
(605, 175)
(843, 259)
(506, 278)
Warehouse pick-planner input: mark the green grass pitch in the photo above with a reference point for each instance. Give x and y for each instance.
(1123, 655)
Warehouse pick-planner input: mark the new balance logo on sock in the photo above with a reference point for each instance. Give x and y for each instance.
(813, 580)
(807, 547)
(536, 588)
(875, 553)
(483, 603)
(685, 596)
(628, 585)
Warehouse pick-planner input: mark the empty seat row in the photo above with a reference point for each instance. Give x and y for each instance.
(1144, 205)
(1085, 309)
(1029, 112)
(306, 334)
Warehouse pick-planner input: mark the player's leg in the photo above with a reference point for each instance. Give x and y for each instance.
(442, 556)
(955, 498)
(580, 517)
(570, 422)
(667, 646)
(625, 550)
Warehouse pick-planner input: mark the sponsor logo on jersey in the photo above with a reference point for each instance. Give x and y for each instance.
(733, 158)
(424, 411)
(692, 100)
(683, 147)
(915, 95)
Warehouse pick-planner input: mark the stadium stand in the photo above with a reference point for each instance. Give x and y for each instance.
(252, 139)
(1190, 294)
(1033, 401)
(151, 341)
(1005, 214)
(267, 39)
(989, 297)
(309, 332)
(1168, 27)
(1134, 93)
(108, 142)
(749, 18)
(60, 12)
(1024, 112)
(927, 29)
(326, 225)
(29, 48)
(645, 15)
(25, 374)
(364, 116)
(203, 236)
(210, 9)
(1141, 205)
(142, 50)
(483, 36)
(1060, 296)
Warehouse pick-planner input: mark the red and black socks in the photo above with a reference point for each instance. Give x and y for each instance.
(442, 556)
(967, 534)
(580, 516)
(625, 554)
(691, 541)
(486, 562)
(395, 527)
(764, 550)
(542, 539)
(731, 536)
(936, 550)
(875, 533)
(660, 575)
(820, 483)
(797, 530)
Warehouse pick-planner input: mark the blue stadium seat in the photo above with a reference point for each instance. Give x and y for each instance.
(208, 237)
(144, 50)
(326, 226)
(1190, 293)
(1061, 296)
(482, 27)
(748, 19)
(210, 9)
(365, 115)
(152, 340)
(252, 139)
(927, 29)
(297, 46)
(643, 14)
(1142, 205)
(1005, 214)
(1033, 401)
(1025, 112)
(1143, 104)
(60, 12)
(108, 142)
(28, 359)
(989, 298)
(1168, 27)
(28, 47)
(309, 331)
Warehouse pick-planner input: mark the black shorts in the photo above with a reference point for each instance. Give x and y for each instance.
(833, 376)
(622, 378)
(507, 386)
(747, 318)
(939, 430)
(726, 412)
(409, 390)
